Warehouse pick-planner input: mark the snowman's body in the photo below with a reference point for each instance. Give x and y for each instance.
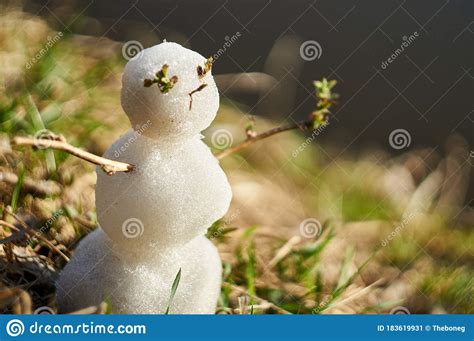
(154, 218)
(172, 192)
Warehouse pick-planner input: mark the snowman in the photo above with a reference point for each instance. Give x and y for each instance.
(153, 219)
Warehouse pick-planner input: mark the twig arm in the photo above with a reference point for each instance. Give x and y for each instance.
(251, 139)
(318, 118)
(109, 166)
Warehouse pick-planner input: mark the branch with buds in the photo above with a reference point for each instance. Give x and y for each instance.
(318, 118)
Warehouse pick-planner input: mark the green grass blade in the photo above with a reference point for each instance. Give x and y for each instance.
(38, 124)
(251, 271)
(18, 186)
(174, 287)
(108, 306)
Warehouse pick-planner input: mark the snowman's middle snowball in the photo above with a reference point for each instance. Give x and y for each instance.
(176, 192)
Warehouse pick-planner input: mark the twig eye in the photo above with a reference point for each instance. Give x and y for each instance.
(161, 79)
(202, 71)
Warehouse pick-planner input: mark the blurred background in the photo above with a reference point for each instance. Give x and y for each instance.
(371, 213)
(425, 90)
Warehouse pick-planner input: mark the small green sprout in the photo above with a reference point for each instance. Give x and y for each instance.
(164, 83)
(326, 98)
(250, 128)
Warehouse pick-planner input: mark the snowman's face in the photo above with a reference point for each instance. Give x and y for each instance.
(159, 114)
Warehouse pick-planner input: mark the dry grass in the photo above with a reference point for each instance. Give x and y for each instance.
(361, 199)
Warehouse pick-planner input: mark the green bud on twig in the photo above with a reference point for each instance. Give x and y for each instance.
(164, 83)
(326, 98)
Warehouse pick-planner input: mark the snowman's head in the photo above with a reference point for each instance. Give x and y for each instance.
(162, 110)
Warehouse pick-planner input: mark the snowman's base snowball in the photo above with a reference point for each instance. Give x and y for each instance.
(100, 271)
